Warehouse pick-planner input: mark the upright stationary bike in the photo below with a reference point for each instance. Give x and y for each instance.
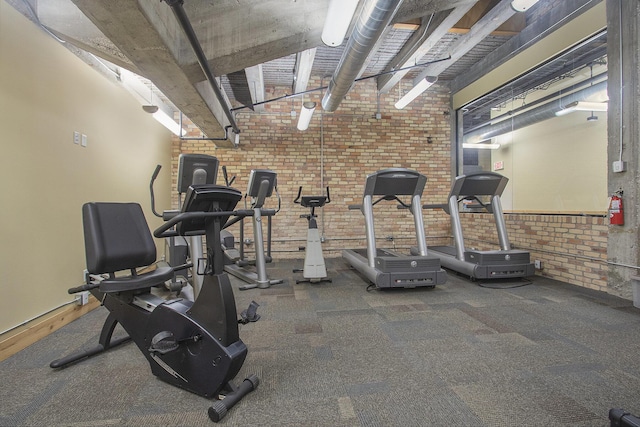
(314, 270)
(192, 345)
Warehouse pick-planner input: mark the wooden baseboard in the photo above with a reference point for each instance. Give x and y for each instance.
(21, 338)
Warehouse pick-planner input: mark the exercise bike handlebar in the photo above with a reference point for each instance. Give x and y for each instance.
(297, 199)
(167, 215)
(82, 288)
(165, 229)
(323, 200)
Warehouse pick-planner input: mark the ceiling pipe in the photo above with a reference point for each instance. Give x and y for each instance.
(183, 20)
(375, 16)
(535, 115)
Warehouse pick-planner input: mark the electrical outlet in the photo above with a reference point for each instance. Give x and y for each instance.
(619, 166)
(82, 298)
(538, 264)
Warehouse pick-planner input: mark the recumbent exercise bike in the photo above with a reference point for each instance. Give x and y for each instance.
(192, 345)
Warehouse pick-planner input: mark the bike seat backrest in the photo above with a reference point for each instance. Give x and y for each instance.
(116, 237)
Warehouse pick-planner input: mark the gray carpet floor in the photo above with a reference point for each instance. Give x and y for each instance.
(538, 353)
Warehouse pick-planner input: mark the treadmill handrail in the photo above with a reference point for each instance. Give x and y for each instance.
(442, 206)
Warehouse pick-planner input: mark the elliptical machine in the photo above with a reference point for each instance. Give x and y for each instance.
(262, 183)
(314, 270)
(192, 345)
(192, 169)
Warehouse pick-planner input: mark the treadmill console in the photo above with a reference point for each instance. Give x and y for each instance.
(395, 181)
(479, 184)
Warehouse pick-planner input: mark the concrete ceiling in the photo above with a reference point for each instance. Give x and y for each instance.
(250, 45)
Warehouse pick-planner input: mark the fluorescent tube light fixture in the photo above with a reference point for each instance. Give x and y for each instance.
(337, 22)
(168, 122)
(582, 106)
(481, 146)
(474, 139)
(305, 115)
(423, 85)
(522, 5)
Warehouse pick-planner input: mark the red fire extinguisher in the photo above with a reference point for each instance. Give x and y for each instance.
(616, 211)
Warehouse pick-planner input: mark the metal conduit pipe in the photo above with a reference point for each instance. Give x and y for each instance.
(535, 115)
(552, 96)
(185, 24)
(374, 18)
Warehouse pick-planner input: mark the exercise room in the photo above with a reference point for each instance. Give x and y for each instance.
(320, 213)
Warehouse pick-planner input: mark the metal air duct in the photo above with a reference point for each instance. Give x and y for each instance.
(375, 16)
(535, 115)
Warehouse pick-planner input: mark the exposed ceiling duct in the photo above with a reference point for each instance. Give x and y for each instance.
(535, 115)
(375, 16)
(240, 88)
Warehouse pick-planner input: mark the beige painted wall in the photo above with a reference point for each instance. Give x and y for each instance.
(558, 165)
(47, 93)
(575, 30)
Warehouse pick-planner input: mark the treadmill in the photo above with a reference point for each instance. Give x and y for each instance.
(386, 268)
(492, 264)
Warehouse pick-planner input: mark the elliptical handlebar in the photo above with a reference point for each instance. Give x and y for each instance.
(262, 193)
(153, 199)
(165, 215)
(226, 177)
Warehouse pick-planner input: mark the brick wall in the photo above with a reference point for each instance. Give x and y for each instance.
(346, 145)
(572, 248)
(349, 144)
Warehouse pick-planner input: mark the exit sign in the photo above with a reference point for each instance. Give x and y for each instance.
(498, 166)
